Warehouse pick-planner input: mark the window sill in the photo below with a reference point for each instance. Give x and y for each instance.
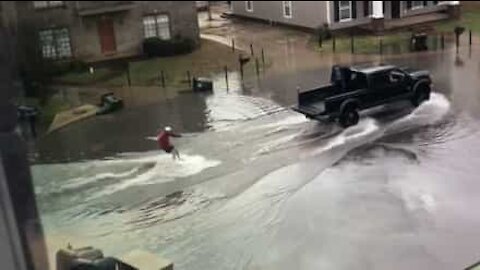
(49, 8)
(345, 20)
(287, 17)
(416, 8)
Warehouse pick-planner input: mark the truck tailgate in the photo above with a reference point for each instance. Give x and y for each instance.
(311, 109)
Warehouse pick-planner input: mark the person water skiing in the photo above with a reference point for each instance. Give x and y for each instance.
(163, 140)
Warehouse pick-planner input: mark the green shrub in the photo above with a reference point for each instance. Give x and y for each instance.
(78, 66)
(156, 47)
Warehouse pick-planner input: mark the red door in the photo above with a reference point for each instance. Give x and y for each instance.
(106, 34)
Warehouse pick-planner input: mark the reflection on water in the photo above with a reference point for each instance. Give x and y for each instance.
(125, 131)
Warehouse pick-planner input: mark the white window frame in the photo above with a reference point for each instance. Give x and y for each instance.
(340, 9)
(155, 18)
(249, 6)
(414, 6)
(288, 4)
(47, 4)
(58, 48)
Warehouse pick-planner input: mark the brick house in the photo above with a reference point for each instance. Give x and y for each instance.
(95, 30)
(376, 15)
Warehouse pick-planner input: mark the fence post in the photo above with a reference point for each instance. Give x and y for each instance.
(381, 46)
(189, 78)
(163, 78)
(251, 49)
(129, 81)
(233, 45)
(263, 58)
(457, 41)
(226, 77)
(257, 66)
(241, 65)
(320, 40)
(334, 45)
(352, 44)
(470, 37)
(443, 41)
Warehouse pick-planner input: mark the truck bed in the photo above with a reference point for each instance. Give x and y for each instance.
(312, 103)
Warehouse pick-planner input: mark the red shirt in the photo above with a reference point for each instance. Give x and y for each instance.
(163, 139)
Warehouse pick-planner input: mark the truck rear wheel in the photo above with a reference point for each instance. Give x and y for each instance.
(421, 94)
(349, 117)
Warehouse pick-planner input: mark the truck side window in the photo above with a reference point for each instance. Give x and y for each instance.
(396, 76)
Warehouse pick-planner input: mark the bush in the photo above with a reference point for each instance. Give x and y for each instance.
(324, 32)
(155, 47)
(78, 66)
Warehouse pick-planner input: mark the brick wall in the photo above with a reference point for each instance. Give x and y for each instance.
(128, 26)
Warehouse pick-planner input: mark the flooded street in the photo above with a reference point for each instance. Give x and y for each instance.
(261, 187)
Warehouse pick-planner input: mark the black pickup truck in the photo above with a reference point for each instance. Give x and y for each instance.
(354, 89)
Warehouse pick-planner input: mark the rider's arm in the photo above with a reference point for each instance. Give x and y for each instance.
(175, 135)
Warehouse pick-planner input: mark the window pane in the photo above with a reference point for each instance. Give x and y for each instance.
(249, 5)
(344, 14)
(63, 43)
(417, 4)
(55, 3)
(345, 10)
(47, 44)
(40, 4)
(287, 8)
(345, 4)
(163, 26)
(149, 27)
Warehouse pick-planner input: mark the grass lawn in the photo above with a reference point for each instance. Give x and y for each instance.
(368, 44)
(211, 57)
(399, 42)
(470, 19)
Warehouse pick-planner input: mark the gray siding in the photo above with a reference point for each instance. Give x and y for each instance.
(312, 14)
(361, 19)
(429, 8)
(304, 13)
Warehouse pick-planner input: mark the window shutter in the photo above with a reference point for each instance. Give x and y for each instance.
(366, 8)
(409, 4)
(336, 10)
(354, 9)
(425, 3)
(435, 2)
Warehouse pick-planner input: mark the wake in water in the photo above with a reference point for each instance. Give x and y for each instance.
(230, 234)
(247, 222)
(110, 176)
(429, 113)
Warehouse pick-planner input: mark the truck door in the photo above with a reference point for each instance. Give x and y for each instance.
(380, 87)
(397, 82)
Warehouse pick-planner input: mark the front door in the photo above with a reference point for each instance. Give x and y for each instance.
(106, 35)
(395, 9)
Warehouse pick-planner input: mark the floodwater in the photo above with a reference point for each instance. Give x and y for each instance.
(261, 187)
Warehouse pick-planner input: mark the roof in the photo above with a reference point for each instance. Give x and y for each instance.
(372, 69)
